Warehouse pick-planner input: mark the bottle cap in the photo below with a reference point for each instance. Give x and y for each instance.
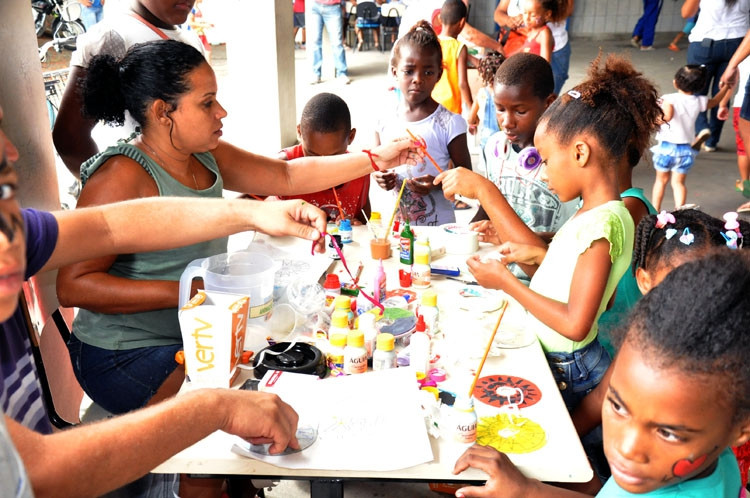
(385, 342)
(355, 338)
(375, 216)
(366, 322)
(422, 258)
(332, 282)
(345, 225)
(338, 340)
(429, 298)
(342, 303)
(340, 320)
(464, 404)
(396, 226)
(437, 374)
(421, 326)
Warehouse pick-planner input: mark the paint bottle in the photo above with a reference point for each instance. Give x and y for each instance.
(464, 420)
(396, 232)
(419, 348)
(366, 324)
(336, 354)
(332, 252)
(343, 305)
(420, 273)
(406, 254)
(422, 243)
(379, 285)
(429, 310)
(339, 324)
(384, 356)
(345, 230)
(355, 354)
(332, 287)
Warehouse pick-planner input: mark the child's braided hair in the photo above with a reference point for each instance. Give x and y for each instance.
(488, 66)
(653, 250)
(420, 35)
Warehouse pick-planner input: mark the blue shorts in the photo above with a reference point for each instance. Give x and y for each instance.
(121, 380)
(299, 19)
(678, 158)
(579, 372)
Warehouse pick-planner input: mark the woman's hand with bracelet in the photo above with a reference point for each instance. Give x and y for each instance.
(396, 153)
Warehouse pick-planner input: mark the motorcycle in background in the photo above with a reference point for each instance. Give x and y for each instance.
(66, 20)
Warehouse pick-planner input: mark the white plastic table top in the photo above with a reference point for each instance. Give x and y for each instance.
(561, 459)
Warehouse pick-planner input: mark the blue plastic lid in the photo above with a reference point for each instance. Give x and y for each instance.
(345, 225)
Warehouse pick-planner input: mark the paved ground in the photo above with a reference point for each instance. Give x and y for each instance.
(710, 183)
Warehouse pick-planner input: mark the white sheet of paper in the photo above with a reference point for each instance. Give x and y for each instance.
(355, 418)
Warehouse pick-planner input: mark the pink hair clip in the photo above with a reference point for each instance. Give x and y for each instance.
(687, 238)
(663, 218)
(731, 222)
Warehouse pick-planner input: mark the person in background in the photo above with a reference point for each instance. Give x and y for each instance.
(196, 23)
(429, 10)
(144, 21)
(325, 129)
(743, 161)
(643, 33)
(509, 13)
(416, 64)
(665, 434)
(716, 36)
(328, 13)
(453, 86)
(689, 25)
(299, 23)
(484, 104)
(93, 459)
(674, 155)
(92, 11)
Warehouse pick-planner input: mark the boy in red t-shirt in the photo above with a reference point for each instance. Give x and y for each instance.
(325, 130)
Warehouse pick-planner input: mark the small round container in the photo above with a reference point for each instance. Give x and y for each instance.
(380, 249)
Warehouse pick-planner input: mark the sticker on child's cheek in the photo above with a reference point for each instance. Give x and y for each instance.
(687, 466)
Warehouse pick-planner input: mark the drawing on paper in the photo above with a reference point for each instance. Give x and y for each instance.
(510, 434)
(503, 390)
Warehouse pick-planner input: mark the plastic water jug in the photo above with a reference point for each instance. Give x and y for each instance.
(246, 273)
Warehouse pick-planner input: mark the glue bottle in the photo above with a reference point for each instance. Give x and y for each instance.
(384, 356)
(429, 310)
(345, 230)
(419, 348)
(336, 354)
(343, 305)
(464, 420)
(379, 286)
(366, 324)
(421, 275)
(339, 324)
(355, 354)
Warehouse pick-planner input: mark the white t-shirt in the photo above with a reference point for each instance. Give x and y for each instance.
(681, 128)
(438, 130)
(718, 22)
(744, 69)
(114, 36)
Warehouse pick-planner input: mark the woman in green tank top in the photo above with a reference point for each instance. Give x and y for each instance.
(126, 334)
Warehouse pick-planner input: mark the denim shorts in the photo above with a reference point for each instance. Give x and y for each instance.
(121, 380)
(673, 157)
(579, 372)
(745, 110)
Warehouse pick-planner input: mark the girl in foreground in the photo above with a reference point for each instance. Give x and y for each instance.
(678, 396)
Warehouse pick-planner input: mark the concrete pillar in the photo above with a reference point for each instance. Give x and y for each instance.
(26, 120)
(260, 88)
(26, 123)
